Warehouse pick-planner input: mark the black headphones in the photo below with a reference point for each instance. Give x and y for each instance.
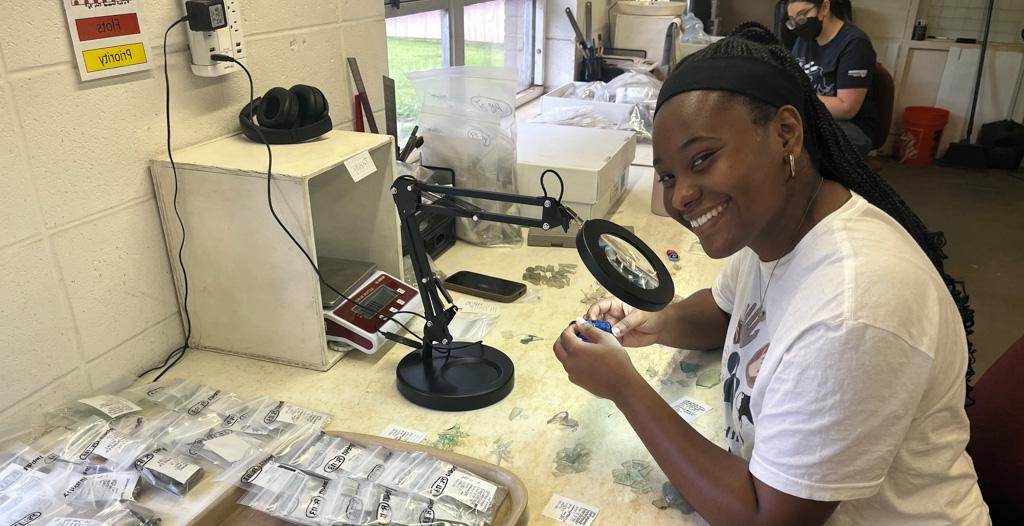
(287, 116)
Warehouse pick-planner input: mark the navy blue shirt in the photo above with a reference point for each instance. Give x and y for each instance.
(845, 62)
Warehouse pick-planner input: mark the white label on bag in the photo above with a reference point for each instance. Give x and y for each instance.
(119, 486)
(404, 434)
(174, 467)
(568, 511)
(112, 444)
(360, 166)
(466, 488)
(689, 409)
(110, 405)
(230, 447)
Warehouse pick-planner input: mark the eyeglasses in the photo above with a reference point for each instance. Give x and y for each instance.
(794, 22)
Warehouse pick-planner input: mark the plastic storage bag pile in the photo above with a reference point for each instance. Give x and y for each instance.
(103, 454)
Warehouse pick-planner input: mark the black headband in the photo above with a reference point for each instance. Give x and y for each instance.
(746, 76)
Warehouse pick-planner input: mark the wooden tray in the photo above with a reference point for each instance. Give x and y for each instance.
(511, 512)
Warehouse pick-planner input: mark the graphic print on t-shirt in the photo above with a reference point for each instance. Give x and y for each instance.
(822, 85)
(754, 365)
(742, 367)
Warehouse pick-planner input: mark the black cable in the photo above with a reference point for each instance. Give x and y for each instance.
(273, 212)
(181, 247)
(561, 191)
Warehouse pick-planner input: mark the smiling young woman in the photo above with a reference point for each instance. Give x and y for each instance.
(845, 343)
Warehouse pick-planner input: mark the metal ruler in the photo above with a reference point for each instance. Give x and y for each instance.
(390, 110)
(371, 122)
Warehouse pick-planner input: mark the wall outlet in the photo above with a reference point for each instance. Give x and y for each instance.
(227, 41)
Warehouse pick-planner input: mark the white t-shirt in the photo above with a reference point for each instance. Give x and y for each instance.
(849, 385)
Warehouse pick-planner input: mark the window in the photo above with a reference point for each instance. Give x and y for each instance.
(428, 34)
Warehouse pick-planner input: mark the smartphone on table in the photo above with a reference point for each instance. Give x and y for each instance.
(487, 287)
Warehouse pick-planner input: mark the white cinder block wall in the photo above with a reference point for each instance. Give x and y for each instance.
(86, 296)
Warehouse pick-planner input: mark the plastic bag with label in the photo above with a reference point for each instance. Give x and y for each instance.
(467, 120)
(579, 116)
(107, 407)
(68, 444)
(431, 478)
(117, 514)
(170, 394)
(170, 472)
(279, 417)
(223, 447)
(102, 490)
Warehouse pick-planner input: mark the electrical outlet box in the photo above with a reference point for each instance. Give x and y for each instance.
(226, 41)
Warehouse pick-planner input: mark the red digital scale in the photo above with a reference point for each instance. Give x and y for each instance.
(361, 326)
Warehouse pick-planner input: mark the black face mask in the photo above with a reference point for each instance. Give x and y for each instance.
(809, 29)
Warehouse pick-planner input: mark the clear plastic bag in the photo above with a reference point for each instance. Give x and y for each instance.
(108, 407)
(223, 447)
(279, 417)
(467, 120)
(693, 31)
(304, 499)
(580, 116)
(102, 490)
(170, 472)
(16, 460)
(170, 394)
(115, 451)
(68, 444)
(431, 478)
(594, 91)
(116, 514)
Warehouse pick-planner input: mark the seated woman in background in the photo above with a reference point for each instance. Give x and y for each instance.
(840, 61)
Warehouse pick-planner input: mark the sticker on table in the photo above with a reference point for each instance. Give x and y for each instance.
(360, 166)
(108, 37)
(689, 409)
(568, 511)
(404, 434)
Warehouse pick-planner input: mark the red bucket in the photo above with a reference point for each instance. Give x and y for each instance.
(922, 132)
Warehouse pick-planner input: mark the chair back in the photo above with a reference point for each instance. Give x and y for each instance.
(997, 436)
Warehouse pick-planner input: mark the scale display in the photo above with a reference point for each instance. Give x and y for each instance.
(376, 302)
(382, 301)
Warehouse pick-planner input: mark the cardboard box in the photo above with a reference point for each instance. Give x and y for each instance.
(564, 96)
(593, 164)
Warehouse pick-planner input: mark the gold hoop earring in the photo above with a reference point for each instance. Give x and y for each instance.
(792, 167)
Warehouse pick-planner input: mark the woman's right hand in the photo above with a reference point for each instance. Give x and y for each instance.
(633, 327)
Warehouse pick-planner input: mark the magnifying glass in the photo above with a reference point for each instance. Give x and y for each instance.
(624, 265)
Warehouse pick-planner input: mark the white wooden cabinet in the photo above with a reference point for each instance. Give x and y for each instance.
(251, 291)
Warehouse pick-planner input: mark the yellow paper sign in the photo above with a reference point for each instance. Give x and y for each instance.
(114, 57)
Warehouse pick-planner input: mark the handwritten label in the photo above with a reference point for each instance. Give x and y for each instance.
(689, 409)
(568, 511)
(404, 434)
(360, 166)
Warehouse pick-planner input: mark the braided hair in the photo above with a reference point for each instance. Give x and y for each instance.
(836, 159)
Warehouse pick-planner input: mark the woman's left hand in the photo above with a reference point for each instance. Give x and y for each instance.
(600, 366)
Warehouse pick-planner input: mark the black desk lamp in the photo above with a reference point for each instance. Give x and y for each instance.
(458, 376)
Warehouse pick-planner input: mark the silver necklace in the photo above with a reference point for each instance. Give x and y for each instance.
(800, 224)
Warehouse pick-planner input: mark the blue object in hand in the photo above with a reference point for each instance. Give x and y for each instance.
(600, 324)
